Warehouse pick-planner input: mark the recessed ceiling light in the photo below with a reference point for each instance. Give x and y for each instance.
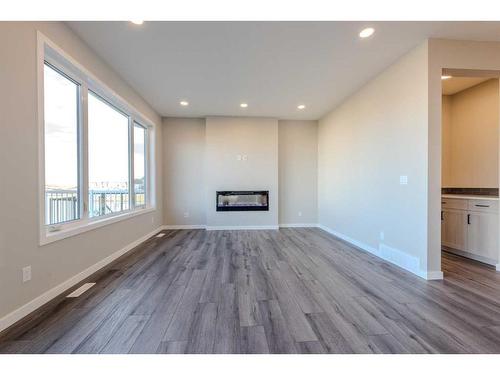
(301, 106)
(184, 103)
(137, 22)
(445, 77)
(365, 33)
(243, 105)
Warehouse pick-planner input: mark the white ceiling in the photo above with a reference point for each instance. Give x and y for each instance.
(456, 84)
(272, 66)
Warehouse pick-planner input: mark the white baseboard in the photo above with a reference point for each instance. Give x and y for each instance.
(299, 225)
(391, 255)
(175, 227)
(400, 259)
(240, 227)
(41, 300)
(243, 227)
(432, 275)
(356, 243)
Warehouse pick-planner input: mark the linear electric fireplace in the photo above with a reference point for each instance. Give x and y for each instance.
(242, 200)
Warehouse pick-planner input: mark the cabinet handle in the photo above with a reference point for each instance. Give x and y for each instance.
(481, 205)
(442, 215)
(468, 219)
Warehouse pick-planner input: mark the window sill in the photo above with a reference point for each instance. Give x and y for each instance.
(49, 237)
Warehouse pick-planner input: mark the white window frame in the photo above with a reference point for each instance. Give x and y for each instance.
(49, 52)
(146, 169)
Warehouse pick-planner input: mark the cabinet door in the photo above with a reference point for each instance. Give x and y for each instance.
(454, 229)
(483, 234)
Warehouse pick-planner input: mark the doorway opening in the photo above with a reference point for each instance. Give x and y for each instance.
(470, 126)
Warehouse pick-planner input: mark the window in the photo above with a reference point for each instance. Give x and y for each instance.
(61, 108)
(95, 150)
(139, 165)
(108, 158)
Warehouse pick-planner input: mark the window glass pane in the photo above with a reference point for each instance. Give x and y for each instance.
(139, 165)
(108, 154)
(61, 96)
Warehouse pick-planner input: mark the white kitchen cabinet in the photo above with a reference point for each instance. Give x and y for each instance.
(470, 227)
(454, 229)
(482, 234)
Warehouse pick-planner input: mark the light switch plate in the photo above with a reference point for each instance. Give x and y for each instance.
(26, 274)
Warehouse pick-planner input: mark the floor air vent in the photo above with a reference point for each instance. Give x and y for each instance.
(78, 292)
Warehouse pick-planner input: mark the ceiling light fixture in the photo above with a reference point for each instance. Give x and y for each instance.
(445, 77)
(365, 33)
(301, 106)
(137, 22)
(243, 105)
(184, 103)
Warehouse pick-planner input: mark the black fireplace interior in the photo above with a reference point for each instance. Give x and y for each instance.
(242, 200)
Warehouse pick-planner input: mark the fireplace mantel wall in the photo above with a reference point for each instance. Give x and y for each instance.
(241, 154)
(185, 166)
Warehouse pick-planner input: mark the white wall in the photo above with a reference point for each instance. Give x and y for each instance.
(298, 172)
(226, 138)
(470, 120)
(19, 227)
(446, 141)
(364, 146)
(184, 171)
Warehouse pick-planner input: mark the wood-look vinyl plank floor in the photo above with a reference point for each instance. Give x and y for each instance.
(297, 290)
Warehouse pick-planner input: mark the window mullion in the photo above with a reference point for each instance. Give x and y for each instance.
(131, 163)
(147, 164)
(84, 153)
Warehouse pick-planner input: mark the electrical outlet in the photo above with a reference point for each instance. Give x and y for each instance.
(26, 274)
(244, 157)
(186, 214)
(300, 213)
(382, 236)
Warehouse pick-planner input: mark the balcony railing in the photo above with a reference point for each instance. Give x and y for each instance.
(62, 205)
(106, 202)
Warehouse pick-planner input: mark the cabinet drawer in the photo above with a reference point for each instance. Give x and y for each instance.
(482, 205)
(457, 204)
